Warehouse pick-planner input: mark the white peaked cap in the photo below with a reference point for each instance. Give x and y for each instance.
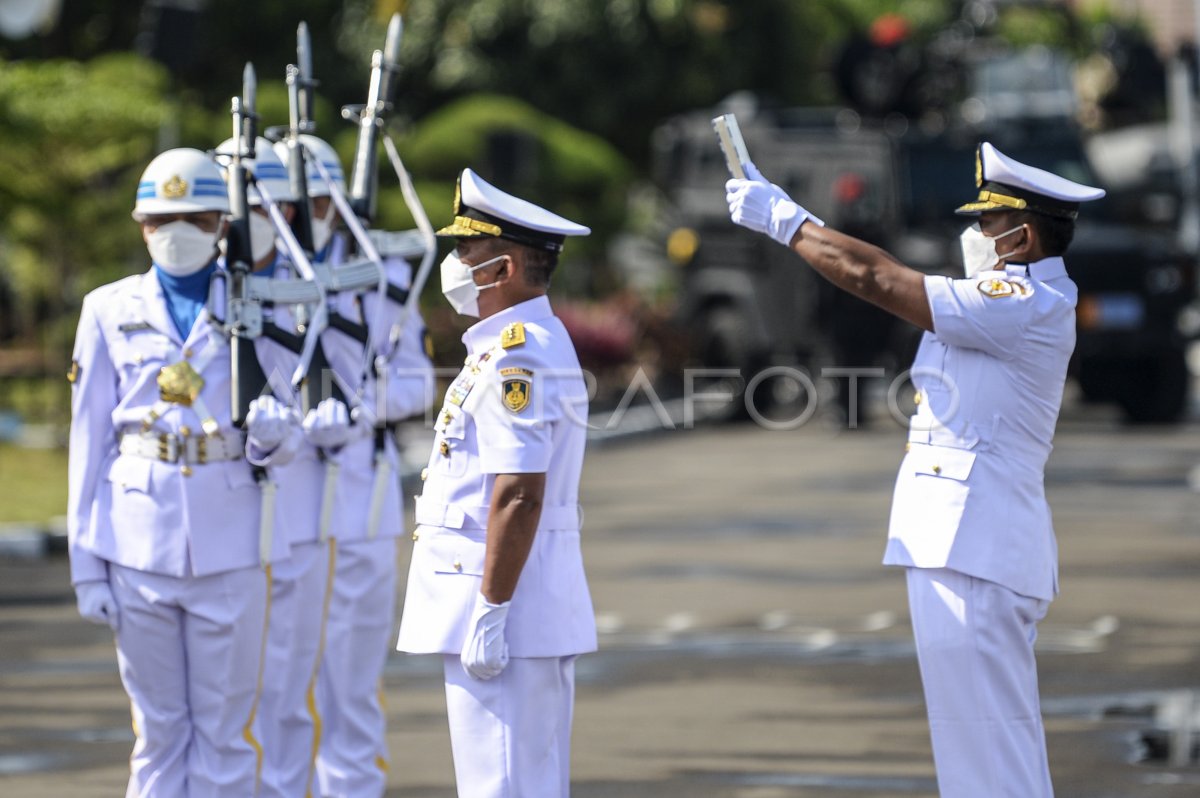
(1007, 184)
(481, 209)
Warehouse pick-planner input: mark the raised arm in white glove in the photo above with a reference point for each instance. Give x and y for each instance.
(764, 207)
(327, 426)
(485, 652)
(97, 603)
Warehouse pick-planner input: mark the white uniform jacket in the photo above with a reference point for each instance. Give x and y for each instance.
(970, 493)
(518, 406)
(406, 390)
(162, 517)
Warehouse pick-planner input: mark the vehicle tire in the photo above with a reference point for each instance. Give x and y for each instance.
(1159, 395)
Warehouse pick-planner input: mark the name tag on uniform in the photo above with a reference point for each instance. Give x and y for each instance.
(134, 326)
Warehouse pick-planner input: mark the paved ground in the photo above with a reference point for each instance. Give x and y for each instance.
(752, 647)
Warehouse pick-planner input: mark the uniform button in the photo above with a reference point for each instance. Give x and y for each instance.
(186, 471)
(937, 469)
(185, 430)
(140, 359)
(908, 447)
(416, 536)
(424, 474)
(458, 566)
(917, 398)
(187, 352)
(447, 417)
(444, 448)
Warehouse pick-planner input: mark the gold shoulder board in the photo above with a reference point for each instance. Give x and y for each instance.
(513, 335)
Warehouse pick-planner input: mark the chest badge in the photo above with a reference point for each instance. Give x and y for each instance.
(179, 383)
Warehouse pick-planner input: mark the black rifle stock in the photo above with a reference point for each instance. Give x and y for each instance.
(248, 380)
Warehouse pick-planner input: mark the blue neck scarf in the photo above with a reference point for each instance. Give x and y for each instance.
(185, 296)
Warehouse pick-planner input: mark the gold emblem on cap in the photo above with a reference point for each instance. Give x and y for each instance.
(179, 383)
(175, 188)
(513, 335)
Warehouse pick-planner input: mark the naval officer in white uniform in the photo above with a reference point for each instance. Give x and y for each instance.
(496, 584)
(164, 532)
(970, 520)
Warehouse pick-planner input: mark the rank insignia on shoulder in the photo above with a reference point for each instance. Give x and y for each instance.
(73, 374)
(513, 335)
(996, 288)
(517, 392)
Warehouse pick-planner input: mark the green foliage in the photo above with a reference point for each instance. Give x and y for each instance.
(33, 484)
(73, 139)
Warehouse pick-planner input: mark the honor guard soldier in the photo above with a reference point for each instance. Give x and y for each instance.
(165, 536)
(301, 582)
(496, 584)
(969, 519)
(365, 514)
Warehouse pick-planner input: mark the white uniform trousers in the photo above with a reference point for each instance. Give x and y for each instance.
(511, 735)
(352, 762)
(190, 652)
(975, 648)
(287, 712)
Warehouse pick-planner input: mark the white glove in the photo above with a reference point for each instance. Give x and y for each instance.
(327, 426)
(764, 207)
(268, 423)
(97, 603)
(485, 653)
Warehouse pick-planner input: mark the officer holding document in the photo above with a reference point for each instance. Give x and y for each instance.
(970, 521)
(496, 584)
(166, 539)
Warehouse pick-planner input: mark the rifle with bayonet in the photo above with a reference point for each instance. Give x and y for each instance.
(243, 317)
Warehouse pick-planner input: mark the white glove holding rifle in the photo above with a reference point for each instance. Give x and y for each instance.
(269, 423)
(485, 652)
(97, 603)
(327, 426)
(764, 207)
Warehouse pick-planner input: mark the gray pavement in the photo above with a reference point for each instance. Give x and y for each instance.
(751, 644)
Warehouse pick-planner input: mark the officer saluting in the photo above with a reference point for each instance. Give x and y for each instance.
(497, 583)
(969, 517)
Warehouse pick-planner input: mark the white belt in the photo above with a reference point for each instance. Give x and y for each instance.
(188, 449)
(460, 516)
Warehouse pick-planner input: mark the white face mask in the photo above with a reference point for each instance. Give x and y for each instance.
(322, 229)
(181, 248)
(978, 250)
(262, 237)
(459, 287)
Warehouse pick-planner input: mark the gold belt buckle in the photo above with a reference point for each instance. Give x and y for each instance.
(179, 383)
(164, 449)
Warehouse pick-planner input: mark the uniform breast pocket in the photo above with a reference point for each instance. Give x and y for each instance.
(449, 448)
(456, 555)
(141, 350)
